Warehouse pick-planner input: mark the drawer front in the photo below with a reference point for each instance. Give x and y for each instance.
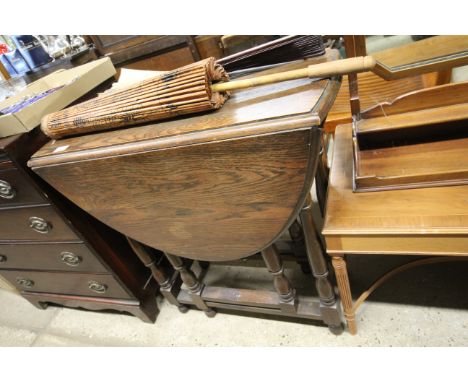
(53, 257)
(5, 163)
(72, 283)
(17, 190)
(35, 224)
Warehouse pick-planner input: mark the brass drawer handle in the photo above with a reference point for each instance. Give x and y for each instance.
(3, 259)
(70, 259)
(6, 190)
(25, 283)
(97, 287)
(39, 225)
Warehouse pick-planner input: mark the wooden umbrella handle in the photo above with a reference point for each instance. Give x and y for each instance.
(326, 69)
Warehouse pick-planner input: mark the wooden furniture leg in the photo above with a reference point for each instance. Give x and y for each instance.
(317, 261)
(321, 180)
(297, 237)
(341, 272)
(194, 286)
(287, 294)
(169, 286)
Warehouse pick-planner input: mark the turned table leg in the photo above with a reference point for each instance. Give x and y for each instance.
(167, 285)
(297, 237)
(317, 261)
(287, 294)
(194, 286)
(341, 272)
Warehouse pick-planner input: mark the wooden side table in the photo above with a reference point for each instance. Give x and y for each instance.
(426, 221)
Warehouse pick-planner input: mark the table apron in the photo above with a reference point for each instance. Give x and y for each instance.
(437, 245)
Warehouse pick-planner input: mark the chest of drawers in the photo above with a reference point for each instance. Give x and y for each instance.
(55, 253)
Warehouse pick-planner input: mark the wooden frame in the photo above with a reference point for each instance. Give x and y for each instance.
(285, 301)
(419, 139)
(378, 166)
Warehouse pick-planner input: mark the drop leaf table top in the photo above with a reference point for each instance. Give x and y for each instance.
(216, 186)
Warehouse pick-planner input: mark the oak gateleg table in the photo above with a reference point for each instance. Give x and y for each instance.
(213, 187)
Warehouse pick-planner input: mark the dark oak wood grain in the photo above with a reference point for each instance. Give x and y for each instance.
(15, 224)
(22, 191)
(161, 52)
(124, 48)
(225, 200)
(144, 309)
(215, 187)
(50, 256)
(266, 109)
(76, 244)
(73, 283)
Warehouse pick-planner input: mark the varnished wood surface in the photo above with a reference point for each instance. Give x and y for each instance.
(15, 225)
(166, 60)
(219, 186)
(428, 98)
(421, 148)
(373, 91)
(48, 256)
(17, 149)
(104, 253)
(416, 213)
(425, 117)
(72, 283)
(24, 191)
(248, 112)
(7, 141)
(422, 50)
(122, 48)
(417, 165)
(217, 201)
(144, 309)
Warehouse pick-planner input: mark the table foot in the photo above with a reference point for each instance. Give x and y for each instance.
(183, 308)
(210, 313)
(341, 272)
(336, 329)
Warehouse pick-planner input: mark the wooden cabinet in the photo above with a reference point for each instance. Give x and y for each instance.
(156, 52)
(53, 252)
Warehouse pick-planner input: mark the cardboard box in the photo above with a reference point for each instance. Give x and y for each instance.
(78, 81)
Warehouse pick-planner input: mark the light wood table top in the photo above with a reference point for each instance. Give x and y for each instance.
(431, 221)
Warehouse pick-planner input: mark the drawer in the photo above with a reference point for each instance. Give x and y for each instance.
(5, 163)
(52, 257)
(17, 190)
(71, 283)
(35, 224)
